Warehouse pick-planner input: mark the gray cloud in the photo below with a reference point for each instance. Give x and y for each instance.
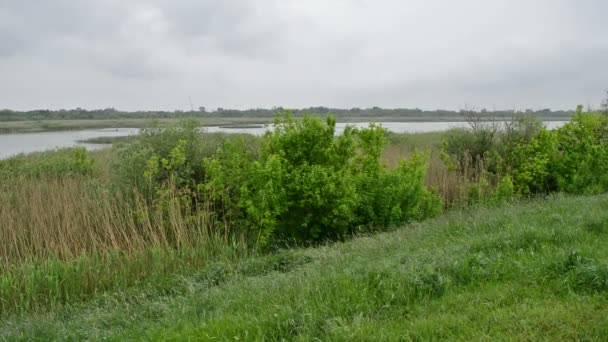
(247, 53)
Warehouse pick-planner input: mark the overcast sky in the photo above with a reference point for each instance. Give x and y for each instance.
(503, 54)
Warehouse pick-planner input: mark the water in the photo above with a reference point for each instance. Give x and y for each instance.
(13, 144)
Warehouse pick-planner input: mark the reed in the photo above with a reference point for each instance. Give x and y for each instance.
(66, 239)
(452, 184)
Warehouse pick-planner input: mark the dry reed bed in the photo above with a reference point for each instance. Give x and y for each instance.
(65, 218)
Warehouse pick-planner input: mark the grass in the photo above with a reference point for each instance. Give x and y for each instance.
(67, 239)
(535, 270)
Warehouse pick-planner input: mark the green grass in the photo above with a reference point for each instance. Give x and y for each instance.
(531, 271)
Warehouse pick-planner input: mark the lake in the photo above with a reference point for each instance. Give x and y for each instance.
(13, 144)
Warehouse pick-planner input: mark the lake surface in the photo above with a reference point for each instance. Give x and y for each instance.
(13, 144)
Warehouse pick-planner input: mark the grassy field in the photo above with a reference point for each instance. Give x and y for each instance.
(532, 271)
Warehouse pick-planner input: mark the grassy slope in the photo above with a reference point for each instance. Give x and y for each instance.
(535, 270)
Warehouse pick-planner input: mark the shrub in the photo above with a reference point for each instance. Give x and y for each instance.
(505, 191)
(390, 197)
(582, 144)
(307, 184)
(163, 154)
(301, 187)
(228, 171)
(531, 164)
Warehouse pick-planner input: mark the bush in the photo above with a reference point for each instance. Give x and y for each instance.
(391, 197)
(505, 191)
(307, 184)
(301, 187)
(532, 164)
(573, 158)
(582, 144)
(163, 154)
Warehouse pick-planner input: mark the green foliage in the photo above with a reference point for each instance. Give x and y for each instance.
(582, 166)
(479, 192)
(505, 191)
(60, 163)
(531, 164)
(228, 171)
(307, 184)
(162, 155)
(573, 158)
(300, 188)
(462, 143)
(391, 197)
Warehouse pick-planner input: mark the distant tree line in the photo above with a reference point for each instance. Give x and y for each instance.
(403, 113)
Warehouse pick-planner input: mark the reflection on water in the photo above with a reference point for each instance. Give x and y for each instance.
(12, 144)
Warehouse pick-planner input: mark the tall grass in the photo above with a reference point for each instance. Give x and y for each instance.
(68, 238)
(453, 185)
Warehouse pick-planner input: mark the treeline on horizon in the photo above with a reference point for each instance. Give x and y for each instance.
(114, 114)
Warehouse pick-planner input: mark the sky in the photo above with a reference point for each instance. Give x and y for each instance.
(428, 54)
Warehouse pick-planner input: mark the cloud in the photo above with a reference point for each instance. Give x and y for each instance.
(247, 53)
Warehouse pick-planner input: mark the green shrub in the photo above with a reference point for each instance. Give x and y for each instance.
(505, 191)
(465, 147)
(573, 158)
(582, 144)
(307, 184)
(163, 154)
(391, 197)
(532, 164)
(300, 188)
(228, 172)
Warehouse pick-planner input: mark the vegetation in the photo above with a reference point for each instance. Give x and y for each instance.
(532, 271)
(64, 163)
(175, 221)
(573, 158)
(374, 112)
(173, 199)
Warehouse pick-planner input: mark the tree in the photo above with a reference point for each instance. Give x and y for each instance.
(605, 104)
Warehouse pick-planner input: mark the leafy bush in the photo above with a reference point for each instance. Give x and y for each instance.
(531, 164)
(301, 187)
(308, 184)
(390, 197)
(573, 158)
(505, 190)
(582, 144)
(164, 154)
